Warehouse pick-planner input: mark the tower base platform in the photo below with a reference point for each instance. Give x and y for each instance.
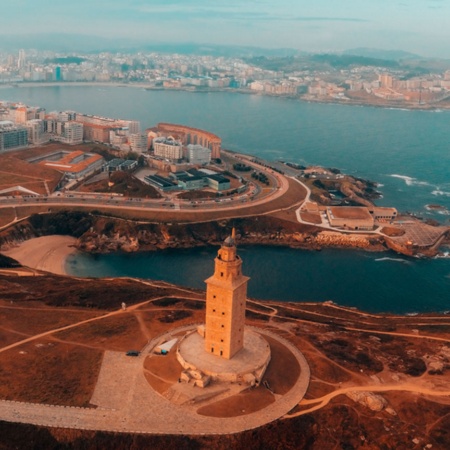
(247, 366)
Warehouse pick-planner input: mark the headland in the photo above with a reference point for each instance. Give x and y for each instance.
(66, 376)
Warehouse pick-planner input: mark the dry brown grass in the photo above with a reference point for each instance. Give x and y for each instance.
(157, 327)
(246, 402)
(34, 321)
(15, 172)
(283, 370)
(166, 367)
(7, 216)
(157, 384)
(117, 333)
(311, 217)
(48, 372)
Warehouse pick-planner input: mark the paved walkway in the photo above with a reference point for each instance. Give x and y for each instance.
(127, 403)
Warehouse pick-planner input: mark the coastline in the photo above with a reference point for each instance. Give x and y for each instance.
(47, 253)
(150, 87)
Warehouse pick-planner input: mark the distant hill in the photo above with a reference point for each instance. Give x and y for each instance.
(321, 61)
(376, 53)
(345, 61)
(82, 43)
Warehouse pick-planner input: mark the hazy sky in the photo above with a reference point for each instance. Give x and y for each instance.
(419, 26)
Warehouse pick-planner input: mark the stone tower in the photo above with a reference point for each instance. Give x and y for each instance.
(226, 295)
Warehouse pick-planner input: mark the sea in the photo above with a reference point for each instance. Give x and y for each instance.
(407, 152)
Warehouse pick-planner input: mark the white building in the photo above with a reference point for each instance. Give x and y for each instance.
(197, 154)
(36, 131)
(168, 148)
(73, 133)
(68, 132)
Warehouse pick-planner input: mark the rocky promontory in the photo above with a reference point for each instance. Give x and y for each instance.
(103, 234)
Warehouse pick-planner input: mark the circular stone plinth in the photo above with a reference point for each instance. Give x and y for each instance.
(252, 359)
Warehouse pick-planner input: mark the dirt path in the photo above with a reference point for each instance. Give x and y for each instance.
(77, 324)
(142, 325)
(323, 401)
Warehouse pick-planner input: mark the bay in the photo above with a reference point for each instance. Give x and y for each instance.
(377, 282)
(408, 152)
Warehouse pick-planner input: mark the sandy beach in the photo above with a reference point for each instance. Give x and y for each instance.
(47, 253)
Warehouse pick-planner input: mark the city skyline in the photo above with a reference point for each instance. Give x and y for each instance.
(417, 26)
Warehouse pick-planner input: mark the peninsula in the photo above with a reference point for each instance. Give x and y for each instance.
(375, 379)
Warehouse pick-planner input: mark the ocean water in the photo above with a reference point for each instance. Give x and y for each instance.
(377, 282)
(407, 152)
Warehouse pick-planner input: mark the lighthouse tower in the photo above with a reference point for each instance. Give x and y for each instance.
(226, 295)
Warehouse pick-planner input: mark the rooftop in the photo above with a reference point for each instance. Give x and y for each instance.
(350, 212)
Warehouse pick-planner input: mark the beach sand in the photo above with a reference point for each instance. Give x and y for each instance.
(47, 253)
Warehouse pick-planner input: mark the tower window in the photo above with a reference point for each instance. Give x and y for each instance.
(212, 349)
(223, 326)
(221, 274)
(223, 313)
(214, 310)
(214, 296)
(221, 340)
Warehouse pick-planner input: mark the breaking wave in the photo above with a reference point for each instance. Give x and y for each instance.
(393, 259)
(410, 181)
(439, 192)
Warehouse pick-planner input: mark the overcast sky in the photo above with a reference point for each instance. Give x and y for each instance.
(418, 26)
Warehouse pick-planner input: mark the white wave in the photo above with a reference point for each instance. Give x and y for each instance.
(441, 193)
(410, 181)
(412, 314)
(393, 259)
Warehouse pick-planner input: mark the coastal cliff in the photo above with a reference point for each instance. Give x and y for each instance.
(102, 234)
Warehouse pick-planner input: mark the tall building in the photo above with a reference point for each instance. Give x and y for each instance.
(386, 80)
(12, 136)
(57, 73)
(226, 296)
(36, 131)
(138, 142)
(21, 60)
(197, 154)
(72, 133)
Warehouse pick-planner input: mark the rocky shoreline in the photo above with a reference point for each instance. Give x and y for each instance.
(100, 234)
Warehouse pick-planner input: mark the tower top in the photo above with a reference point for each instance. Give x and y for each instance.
(230, 241)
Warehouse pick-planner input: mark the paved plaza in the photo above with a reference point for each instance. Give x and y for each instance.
(126, 403)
